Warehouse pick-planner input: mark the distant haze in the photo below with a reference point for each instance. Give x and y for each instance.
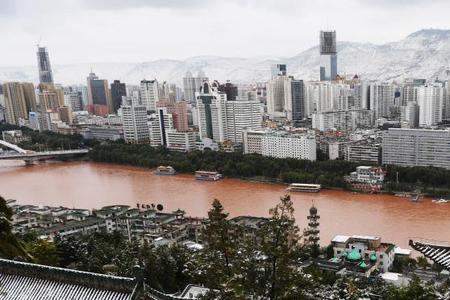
(131, 31)
(422, 54)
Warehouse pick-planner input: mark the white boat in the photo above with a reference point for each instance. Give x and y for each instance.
(165, 170)
(304, 187)
(207, 175)
(442, 200)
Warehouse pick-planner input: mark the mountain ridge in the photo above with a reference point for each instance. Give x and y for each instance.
(422, 54)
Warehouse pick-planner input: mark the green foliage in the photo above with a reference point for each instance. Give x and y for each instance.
(46, 140)
(163, 266)
(329, 173)
(10, 246)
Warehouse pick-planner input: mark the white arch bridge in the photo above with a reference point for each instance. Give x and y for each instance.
(30, 156)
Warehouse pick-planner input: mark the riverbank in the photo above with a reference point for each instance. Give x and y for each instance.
(434, 182)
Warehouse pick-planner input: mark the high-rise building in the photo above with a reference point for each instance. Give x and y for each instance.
(221, 120)
(279, 101)
(45, 69)
(191, 85)
(230, 90)
(51, 98)
(99, 97)
(210, 112)
(382, 97)
(298, 101)
(149, 94)
(328, 55)
(430, 100)
(278, 70)
(179, 111)
(241, 115)
(160, 127)
(416, 147)
(118, 90)
(134, 120)
(410, 115)
(75, 100)
(20, 99)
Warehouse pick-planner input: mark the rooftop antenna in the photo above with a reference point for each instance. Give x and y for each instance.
(39, 41)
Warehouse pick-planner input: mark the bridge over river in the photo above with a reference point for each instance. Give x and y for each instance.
(18, 153)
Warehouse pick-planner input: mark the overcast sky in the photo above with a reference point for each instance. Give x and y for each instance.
(142, 30)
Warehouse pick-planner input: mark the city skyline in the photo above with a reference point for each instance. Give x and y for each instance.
(240, 23)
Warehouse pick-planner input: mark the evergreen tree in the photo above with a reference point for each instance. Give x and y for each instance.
(216, 265)
(10, 246)
(279, 245)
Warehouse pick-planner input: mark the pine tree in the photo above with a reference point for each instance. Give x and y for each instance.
(10, 246)
(279, 245)
(216, 265)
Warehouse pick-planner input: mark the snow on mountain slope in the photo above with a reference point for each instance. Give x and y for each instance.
(422, 54)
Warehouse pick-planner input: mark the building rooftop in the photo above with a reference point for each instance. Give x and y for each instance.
(32, 281)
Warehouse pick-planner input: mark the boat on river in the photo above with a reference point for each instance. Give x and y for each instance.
(304, 187)
(165, 170)
(208, 175)
(442, 200)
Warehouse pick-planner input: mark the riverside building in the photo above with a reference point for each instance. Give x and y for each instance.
(280, 144)
(134, 119)
(416, 147)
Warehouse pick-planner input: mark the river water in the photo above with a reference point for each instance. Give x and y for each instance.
(93, 185)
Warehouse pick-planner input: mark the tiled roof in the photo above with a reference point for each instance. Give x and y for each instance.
(20, 280)
(438, 253)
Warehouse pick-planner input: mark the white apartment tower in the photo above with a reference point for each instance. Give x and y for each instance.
(149, 94)
(430, 100)
(382, 97)
(134, 120)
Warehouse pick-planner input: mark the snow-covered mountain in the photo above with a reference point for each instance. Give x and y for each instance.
(422, 54)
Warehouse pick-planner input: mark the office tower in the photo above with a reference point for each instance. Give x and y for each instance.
(361, 95)
(241, 115)
(99, 97)
(51, 97)
(118, 90)
(134, 120)
(191, 85)
(149, 94)
(446, 105)
(230, 90)
(278, 70)
(410, 115)
(278, 97)
(160, 127)
(179, 112)
(20, 99)
(328, 55)
(45, 69)
(298, 101)
(430, 100)
(416, 147)
(210, 112)
(75, 100)
(381, 99)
